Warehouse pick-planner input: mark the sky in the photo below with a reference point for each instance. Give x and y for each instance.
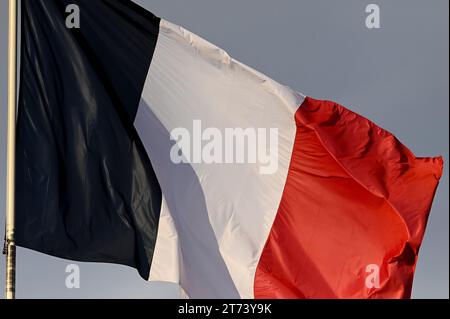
(396, 75)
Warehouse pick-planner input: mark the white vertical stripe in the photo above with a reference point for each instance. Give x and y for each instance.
(216, 217)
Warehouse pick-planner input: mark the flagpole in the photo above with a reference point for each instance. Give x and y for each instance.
(10, 248)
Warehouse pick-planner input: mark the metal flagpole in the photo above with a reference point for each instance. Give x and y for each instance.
(10, 248)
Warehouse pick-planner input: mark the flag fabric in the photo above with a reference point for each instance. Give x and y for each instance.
(129, 131)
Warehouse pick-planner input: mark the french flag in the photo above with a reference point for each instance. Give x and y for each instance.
(123, 157)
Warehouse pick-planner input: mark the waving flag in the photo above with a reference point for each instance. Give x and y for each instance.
(142, 144)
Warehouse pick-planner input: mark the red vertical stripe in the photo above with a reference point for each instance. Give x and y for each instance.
(354, 196)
